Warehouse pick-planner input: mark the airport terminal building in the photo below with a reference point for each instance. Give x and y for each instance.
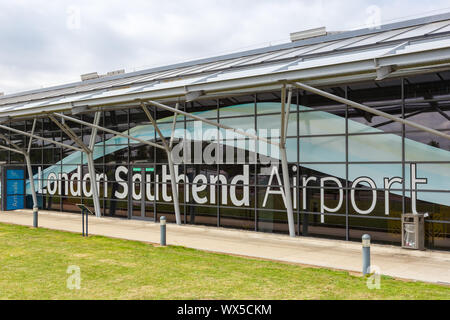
(331, 135)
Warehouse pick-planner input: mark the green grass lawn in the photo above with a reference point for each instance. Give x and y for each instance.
(34, 266)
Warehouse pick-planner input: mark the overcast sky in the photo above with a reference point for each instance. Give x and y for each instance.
(50, 42)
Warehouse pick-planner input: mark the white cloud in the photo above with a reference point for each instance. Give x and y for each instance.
(41, 46)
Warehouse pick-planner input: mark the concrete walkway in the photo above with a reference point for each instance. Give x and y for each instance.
(428, 266)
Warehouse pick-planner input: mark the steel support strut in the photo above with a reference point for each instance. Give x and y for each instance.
(120, 134)
(30, 174)
(26, 154)
(91, 167)
(40, 138)
(281, 145)
(89, 152)
(33, 190)
(168, 148)
(284, 161)
(212, 123)
(370, 110)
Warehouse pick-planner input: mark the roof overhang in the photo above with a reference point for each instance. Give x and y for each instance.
(325, 71)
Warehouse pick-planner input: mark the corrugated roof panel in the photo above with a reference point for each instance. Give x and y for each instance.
(444, 29)
(17, 99)
(338, 44)
(176, 83)
(223, 65)
(213, 65)
(155, 86)
(420, 31)
(424, 46)
(9, 108)
(379, 37)
(150, 77)
(54, 93)
(275, 56)
(250, 60)
(6, 101)
(144, 87)
(340, 58)
(234, 62)
(219, 65)
(174, 72)
(127, 81)
(117, 83)
(300, 51)
(189, 70)
(30, 105)
(147, 77)
(96, 86)
(325, 48)
(244, 73)
(442, 26)
(72, 98)
(37, 96)
(108, 84)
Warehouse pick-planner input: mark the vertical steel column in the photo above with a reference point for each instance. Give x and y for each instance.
(347, 231)
(284, 161)
(33, 190)
(171, 166)
(173, 181)
(91, 167)
(403, 149)
(176, 203)
(30, 174)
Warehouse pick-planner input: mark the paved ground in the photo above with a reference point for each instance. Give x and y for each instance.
(429, 266)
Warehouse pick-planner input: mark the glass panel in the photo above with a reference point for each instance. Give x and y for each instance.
(320, 123)
(237, 218)
(437, 176)
(381, 230)
(375, 147)
(423, 146)
(322, 149)
(331, 227)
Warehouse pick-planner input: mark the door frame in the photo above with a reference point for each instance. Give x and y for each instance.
(143, 168)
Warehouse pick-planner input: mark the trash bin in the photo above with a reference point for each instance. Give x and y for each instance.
(413, 231)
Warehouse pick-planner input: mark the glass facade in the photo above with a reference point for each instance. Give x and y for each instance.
(351, 172)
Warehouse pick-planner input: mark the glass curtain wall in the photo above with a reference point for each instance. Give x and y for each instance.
(341, 162)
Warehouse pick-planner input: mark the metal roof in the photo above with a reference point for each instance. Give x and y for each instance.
(409, 47)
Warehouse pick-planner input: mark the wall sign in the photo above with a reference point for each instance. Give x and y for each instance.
(13, 188)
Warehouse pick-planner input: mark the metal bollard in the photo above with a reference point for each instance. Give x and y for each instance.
(35, 217)
(87, 224)
(366, 254)
(82, 221)
(163, 231)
